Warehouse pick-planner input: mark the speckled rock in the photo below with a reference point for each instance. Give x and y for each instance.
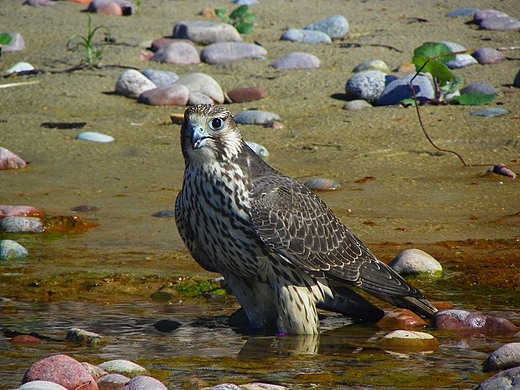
(222, 52)
(9, 160)
(472, 323)
(144, 383)
(335, 27)
(479, 87)
(169, 95)
(180, 53)
(201, 82)
(256, 117)
(17, 43)
(399, 89)
(409, 341)
(21, 225)
(123, 367)
(416, 262)
(487, 56)
(160, 78)
(505, 380)
(247, 94)
(305, 36)
(11, 250)
(78, 335)
(367, 85)
(461, 60)
(132, 83)
(297, 60)
(372, 65)
(206, 32)
(507, 356)
(41, 385)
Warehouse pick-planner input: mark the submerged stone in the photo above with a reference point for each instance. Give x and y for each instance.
(507, 356)
(11, 250)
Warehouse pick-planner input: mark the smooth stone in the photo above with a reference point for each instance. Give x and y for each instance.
(201, 82)
(161, 43)
(180, 53)
(507, 356)
(21, 225)
(160, 78)
(409, 341)
(487, 56)
(127, 8)
(40, 3)
(461, 60)
(372, 65)
(115, 379)
(164, 214)
(133, 83)
(247, 94)
(335, 27)
(93, 370)
(399, 89)
(199, 98)
(41, 385)
(489, 112)
(206, 32)
(63, 370)
(144, 383)
(462, 12)
(516, 82)
(169, 95)
(416, 262)
(25, 339)
(11, 250)
(166, 326)
(20, 211)
(256, 117)
(357, 105)
(123, 367)
(17, 43)
(93, 136)
(472, 323)
(78, 335)
(9, 160)
(505, 380)
(109, 9)
(305, 36)
(245, 2)
(367, 85)
(84, 208)
(260, 150)
(297, 61)
(502, 169)
(322, 184)
(401, 319)
(479, 87)
(223, 52)
(489, 19)
(19, 68)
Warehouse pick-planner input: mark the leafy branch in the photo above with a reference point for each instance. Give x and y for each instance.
(240, 18)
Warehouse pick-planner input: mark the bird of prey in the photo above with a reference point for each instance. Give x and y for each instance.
(280, 248)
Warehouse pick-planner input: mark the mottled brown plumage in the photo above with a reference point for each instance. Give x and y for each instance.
(280, 248)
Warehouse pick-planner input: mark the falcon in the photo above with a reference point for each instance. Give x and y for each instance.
(282, 251)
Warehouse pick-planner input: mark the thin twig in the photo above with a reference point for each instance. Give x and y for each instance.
(358, 44)
(19, 84)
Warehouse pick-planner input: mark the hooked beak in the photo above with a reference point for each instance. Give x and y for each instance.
(198, 136)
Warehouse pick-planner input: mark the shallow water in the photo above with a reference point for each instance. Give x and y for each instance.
(102, 280)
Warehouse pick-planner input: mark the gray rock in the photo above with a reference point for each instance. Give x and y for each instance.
(132, 83)
(144, 383)
(399, 89)
(160, 78)
(40, 3)
(11, 250)
(169, 95)
(462, 12)
(505, 380)
(335, 27)
(294, 61)
(322, 184)
(305, 36)
(21, 225)
(78, 335)
(479, 87)
(487, 56)
(507, 356)
(357, 105)
(206, 32)
(372, 65)
(201, 82)
(17, 43)
(367, 85)
(199, 98)
(93, 136)
(116, 379)
(223, 52)
(489, 112)
(180, 53)
(461, 60)
(416, 262)
(256, 117)
(123, 367)
(20, 67)
(260, 150)
(489, 19)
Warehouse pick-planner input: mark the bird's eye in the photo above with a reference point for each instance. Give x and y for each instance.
(216, 124)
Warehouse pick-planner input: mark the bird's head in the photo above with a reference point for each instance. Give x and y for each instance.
(209, 133)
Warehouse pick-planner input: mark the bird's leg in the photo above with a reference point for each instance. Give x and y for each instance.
(297, 312)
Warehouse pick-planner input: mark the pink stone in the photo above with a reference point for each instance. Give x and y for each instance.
(180, 53)
(401, 319)
(20, 211)
(9, 160)
(25, 339)
(109, 9)
(169, 95)
(248, 94)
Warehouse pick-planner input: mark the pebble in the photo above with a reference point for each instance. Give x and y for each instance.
(90, 339)
(160, 78)
(180, 53)
(416, 262)
(144, 383)
(479, 87)
(20, 67)
(310, 37)
(201, 82)
(63, 370)
(21, 225)
(206, 32)
(127, 8)
(357, 105)
(401, 319)
(487, 56)
(9, 160)
(399, 89)
(367, 85)
(489, 112)
(169, 95)
(505, 380)
(123, 367)
(322, 184)
(25, 339)
(40, 3)
(489, 19)
(372, 65)
(17, 43)
(507, 356)
(11, 250)
(260, 150)
(297, 61)
(20, 211)
(112, 379)
(223, 52)
(41, 385)
(93, 136)
(199, 98)
(256, 117)
(516, 82)
(133, 83)
(462, 12)
(84, 208)
(472, 323)
(164, 214)
(461, 60)
(335, 27)
(109, 9)
(409, 341)
(247, 94)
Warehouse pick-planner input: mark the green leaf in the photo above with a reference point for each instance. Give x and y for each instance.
(437, 51)
(220, 12)
(244, 28)
(250, 17)
(239, 12)
(474, 99)
(5, 39)
(437, 69)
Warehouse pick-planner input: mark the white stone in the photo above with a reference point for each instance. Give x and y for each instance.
(132, 83)
(416, 261)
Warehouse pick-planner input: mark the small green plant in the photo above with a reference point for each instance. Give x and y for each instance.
(241, 18)
(92, 54)
(5, 39)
